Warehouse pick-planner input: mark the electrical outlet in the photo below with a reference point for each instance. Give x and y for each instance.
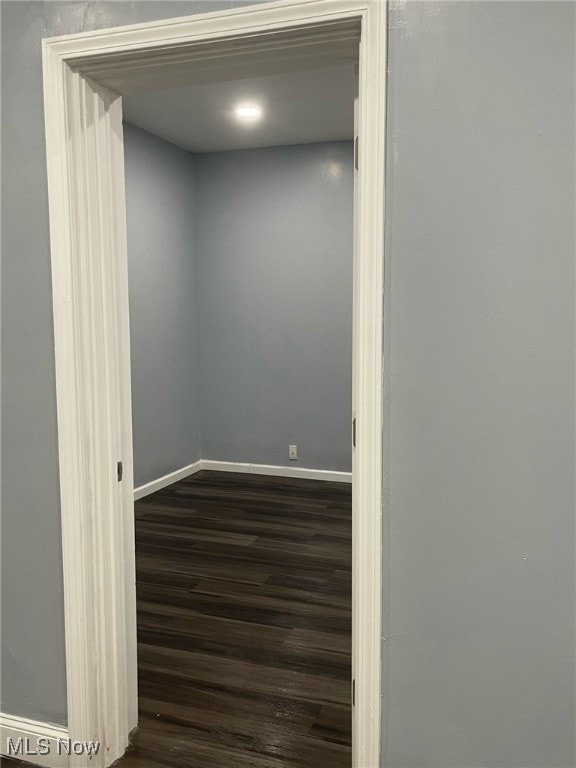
(293, 452)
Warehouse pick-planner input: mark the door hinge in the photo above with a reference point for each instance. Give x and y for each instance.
(353, 693)
(356, 144)
(354, 432)
(119, 470)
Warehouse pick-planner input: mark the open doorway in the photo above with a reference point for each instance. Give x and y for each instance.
(85, 78)
(240, 214)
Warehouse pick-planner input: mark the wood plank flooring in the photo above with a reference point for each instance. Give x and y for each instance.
(244, 624)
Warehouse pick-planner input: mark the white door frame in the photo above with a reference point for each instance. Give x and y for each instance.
(84, 78)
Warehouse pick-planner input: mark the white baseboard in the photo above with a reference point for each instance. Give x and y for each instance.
(163, 482)
(34, 742)
(271, 469)
(249, 469)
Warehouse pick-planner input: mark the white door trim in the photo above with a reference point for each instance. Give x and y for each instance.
(84, 78)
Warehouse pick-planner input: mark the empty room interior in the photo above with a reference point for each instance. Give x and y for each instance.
(240, 212)
(288, 384)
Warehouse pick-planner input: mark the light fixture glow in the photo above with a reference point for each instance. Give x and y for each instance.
(248, 112)
(333, 169)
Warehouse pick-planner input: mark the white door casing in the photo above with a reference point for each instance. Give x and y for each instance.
(85, 76)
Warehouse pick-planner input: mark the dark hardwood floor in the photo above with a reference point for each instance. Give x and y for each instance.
(244, 622)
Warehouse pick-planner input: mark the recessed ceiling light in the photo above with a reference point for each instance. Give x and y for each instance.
(248, 112)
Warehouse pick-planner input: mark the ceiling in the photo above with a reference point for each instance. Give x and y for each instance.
(298, 108)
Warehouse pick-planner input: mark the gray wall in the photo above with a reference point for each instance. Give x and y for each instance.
(251, 253)
(479, 663)
(480, 330)
(275, 303)
(160, 208)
